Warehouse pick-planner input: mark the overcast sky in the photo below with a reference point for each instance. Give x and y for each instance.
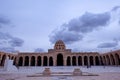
(35, 25)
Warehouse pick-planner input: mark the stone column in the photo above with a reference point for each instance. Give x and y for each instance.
(23, 61)
(94, 61)
(71, 62)
(48, 61)
(76, 60)
(29, 60)
(64, 63)
(99, 60)
(41, 60)
(82, 60)
(36, 61)
(88, 61)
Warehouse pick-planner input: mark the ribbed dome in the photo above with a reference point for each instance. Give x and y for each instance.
(59, 45)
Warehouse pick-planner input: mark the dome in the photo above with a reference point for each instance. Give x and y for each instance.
(59, 45)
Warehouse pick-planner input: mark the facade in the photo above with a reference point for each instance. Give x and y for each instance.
(60, 56)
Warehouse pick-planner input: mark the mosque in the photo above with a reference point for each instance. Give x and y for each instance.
(60, 56)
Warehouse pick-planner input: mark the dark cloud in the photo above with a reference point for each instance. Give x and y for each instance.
(108, 45)
(88, 22)
(7, 49)
(74, 30)
(8, 43)
(115, 8)
(39, 50)
(4, 21)
(16, 42)
(67, 36)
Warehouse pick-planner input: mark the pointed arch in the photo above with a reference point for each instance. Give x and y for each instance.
(20, 63)
(80, 61)
(50, 61)
(33, 61)
(74, 60)
(45, 61)
(3, 60)
(59, 60)
(112, 59)
(117, 59)
(26, 61)
(39, 61)
(68, 61)
(85, 60)
(91, 60)
(97, 62)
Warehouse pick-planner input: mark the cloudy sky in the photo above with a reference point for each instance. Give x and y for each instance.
(35, 25)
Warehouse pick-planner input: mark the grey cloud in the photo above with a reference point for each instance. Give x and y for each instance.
(4, 21)
(39, 50)
(8, 42)
(88, 22)
(73, 31)
(7, 49)
(16, 42)
(115, 8)
(108, 45)
(67, 36)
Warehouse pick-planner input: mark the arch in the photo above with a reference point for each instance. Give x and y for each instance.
(74, 61)
(14, 62)
(59, 60)
(26, 61)
(68, 61)
(20, 63)
(117, 59)
(80, 61)
(112, 59)
(91, 60)
(33, 61)
(97, 60)
(101, 60)
(104, 60)
(45, 61)
(3, 60)
(39, 61)
(12, 57)
(50, 61)
(108, 60)
(85, 60)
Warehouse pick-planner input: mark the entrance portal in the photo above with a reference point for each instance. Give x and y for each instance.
(59, 60)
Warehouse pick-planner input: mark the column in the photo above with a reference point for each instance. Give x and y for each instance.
(82, 60)
(41, 60)
(23, 61)
(76, 60)
(88, 61)
(35, 61)
(29, 61)
(94, 61)
(48, 61)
